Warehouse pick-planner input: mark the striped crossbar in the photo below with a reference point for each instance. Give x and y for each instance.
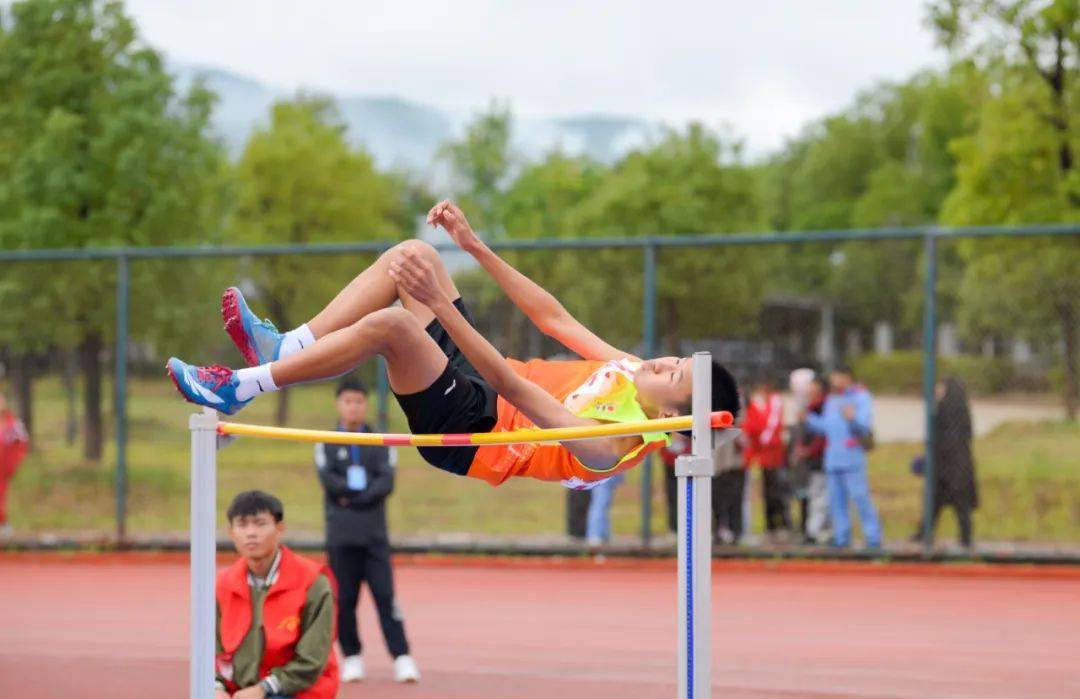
(720, 419)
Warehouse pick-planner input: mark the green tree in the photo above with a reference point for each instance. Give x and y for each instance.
(481, 162)
(1038, 39)
(300, 182)
(96, 149)
(688, 182)
(542, 202)
(1019, 167)
(885, 161)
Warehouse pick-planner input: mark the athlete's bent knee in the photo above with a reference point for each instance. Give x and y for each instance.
(388, 326)
(426, 250)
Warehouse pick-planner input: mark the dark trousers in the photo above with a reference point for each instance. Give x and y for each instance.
(352, 566)
(577, 510)
(963, 518)
(775, 495)
(671, 491)
(728, 500)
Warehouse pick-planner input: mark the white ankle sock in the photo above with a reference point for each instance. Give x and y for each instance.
(296, 340)
(254, 381)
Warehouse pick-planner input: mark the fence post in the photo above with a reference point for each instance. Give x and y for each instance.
(929, 381)
(382, 394)
(123, 284)
(649, 349)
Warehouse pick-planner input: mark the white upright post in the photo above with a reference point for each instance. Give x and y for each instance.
(203, 551)
(694, 473)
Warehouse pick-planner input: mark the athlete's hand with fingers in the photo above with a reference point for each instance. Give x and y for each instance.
(447, 214)
(416, 276)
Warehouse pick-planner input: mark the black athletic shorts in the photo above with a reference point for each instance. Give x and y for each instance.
(459, 401)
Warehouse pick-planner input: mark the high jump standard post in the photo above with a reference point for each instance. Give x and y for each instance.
(204, 440)
(694, 473)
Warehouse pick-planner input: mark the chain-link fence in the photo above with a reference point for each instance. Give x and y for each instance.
(997, 308)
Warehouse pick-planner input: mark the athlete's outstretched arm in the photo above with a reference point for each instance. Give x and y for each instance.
(416, 276)
(543, 309)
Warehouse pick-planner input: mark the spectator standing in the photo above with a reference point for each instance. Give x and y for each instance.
(808, 453)
(598, 521)
(275, 612)
(763, 439)
(577, 512)
(14, 443)
(356, 481)
(728, 483)
(846, 422)
(954, 464)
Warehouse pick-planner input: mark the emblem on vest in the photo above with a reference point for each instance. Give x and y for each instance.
(289, 623)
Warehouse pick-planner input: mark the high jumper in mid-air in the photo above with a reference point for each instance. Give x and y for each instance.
(448, 378)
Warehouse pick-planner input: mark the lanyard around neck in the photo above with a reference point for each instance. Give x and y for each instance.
(354, 449)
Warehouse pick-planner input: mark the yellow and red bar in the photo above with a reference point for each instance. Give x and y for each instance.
(718, 420)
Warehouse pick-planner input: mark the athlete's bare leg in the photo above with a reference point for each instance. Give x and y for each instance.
(413, 359)
(373, 289)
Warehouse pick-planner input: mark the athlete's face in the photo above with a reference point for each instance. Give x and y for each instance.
(665, 384)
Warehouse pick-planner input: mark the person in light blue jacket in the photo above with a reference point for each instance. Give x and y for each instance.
(846, 421)
(598, 520)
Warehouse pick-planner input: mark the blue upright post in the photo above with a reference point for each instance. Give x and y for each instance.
(694, 473)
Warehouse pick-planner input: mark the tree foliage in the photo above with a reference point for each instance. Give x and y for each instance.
(481, 162)
(1018, 166)
(299, 181)
(96, 149)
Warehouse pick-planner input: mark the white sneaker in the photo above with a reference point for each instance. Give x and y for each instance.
(352, 669)
(405, 669)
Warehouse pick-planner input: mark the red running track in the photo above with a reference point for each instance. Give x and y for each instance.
(115, 627)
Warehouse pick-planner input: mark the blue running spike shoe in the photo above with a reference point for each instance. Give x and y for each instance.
(258, 340)
(211, 386)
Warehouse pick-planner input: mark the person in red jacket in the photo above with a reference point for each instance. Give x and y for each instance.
(14, 444)
(276, 612)
(763, 441)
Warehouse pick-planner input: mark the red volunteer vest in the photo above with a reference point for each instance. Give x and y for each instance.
(282, 608)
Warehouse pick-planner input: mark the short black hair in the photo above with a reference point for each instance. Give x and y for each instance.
(725, 391)
(350, 383)
(253, 502)
(843, 369)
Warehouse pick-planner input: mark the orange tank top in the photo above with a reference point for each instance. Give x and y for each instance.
(565, 380)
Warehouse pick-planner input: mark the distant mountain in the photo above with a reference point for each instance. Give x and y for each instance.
(406, 135)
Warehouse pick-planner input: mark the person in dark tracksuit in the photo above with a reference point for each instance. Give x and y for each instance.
(357, 481)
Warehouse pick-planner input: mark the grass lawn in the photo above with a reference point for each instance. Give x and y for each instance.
(1029, 479)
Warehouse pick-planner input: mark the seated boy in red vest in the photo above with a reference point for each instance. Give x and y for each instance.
(275, 612)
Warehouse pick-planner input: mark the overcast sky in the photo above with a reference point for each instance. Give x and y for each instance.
(764, 67)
